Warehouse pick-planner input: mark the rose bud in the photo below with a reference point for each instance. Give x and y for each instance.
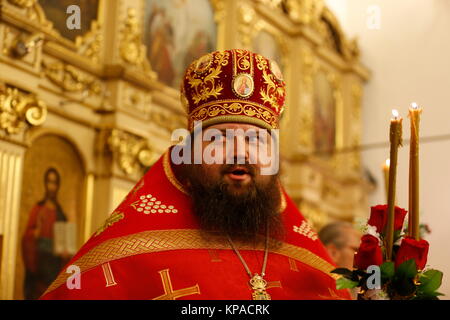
(411, 248)
(379, 215)
(369, 253)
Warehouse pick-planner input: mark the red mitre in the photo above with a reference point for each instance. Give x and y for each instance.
(233, 86)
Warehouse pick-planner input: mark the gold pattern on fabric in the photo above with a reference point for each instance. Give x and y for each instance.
(231, 107)
(306, 230)
(333, 296)
(179, 239)
(261, 62)
(272, 93)
(113, 218)
(206, 84)
(170, 175)
(149, 204)
(293, 265)
(109, 276)
(242, 61)
(169, 293)
(274, 284)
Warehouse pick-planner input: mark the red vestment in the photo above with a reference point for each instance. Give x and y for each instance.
(151, 248)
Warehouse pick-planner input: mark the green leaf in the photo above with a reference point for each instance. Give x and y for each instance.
(397, 235)
(425, 297)
(387, 270)
(430, 281)
(407, 269)
(344, 283)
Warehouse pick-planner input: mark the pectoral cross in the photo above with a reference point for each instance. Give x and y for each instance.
(259, 286)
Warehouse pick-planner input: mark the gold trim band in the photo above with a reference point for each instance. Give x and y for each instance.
(228, 110)
(169, 173)
(178, 239)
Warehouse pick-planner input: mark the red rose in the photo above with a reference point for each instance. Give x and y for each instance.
(411, 248)
(379, 215)
(369, 253)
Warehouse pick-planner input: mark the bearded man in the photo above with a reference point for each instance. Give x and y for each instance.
(210, 219)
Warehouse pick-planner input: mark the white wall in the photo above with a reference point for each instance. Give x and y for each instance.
(410, 58)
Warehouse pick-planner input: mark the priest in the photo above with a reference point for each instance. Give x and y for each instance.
(205, 224)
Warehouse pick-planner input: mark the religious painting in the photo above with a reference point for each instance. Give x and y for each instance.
(50, 214)
(176, 32)
(56, 12)
(203, 63)
(324, 116)
(243, 85)
(266, 45)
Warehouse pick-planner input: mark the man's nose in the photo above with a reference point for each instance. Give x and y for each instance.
(239, 154)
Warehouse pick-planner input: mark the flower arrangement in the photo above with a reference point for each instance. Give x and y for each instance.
(403, 277)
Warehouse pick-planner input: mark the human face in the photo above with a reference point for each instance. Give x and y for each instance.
(347, 253)
(235, 199)
(240, 159)
(52, 184)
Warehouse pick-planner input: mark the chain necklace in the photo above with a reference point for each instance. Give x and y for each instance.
(257, 282)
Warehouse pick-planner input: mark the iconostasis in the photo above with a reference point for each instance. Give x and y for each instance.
(86, 110)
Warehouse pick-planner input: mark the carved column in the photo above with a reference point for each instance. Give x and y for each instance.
(19, 110)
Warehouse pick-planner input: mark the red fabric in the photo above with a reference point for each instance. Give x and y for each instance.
(218, 274)
(40, 225)
(210, 93)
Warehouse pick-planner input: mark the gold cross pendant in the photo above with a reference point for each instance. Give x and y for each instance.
(259, 285)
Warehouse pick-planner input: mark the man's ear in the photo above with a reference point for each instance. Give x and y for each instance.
(333, 251)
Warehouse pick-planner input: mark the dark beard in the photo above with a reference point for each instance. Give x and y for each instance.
(244, 217)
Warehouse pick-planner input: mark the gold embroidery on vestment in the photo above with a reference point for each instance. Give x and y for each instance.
(204, 85)
(306, 230)
(170, 175)
(113, 218)
(179, 239)
(149, 204)
(169, 293)
(293, 265)
(109, 276)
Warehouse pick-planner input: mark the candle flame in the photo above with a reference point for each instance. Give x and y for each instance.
(415, 106)
(388, 162)
(395, 114)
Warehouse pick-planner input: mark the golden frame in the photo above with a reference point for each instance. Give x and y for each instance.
(217, 7)
(34, 20)
(263, 26)
(335, 82)
(86, 194)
